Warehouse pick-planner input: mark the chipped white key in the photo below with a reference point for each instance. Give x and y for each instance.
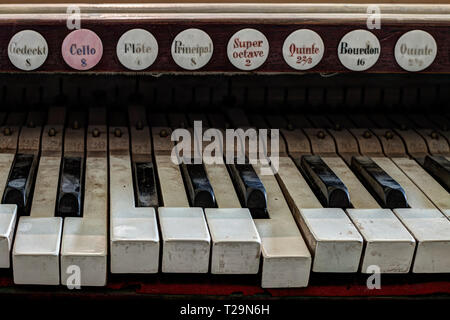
(235, 243)
(8, 217)
(36, 250)
(236, 246)
(335, 242)
(186, 240)
(38, 237)
(389, 245)
(432, 232)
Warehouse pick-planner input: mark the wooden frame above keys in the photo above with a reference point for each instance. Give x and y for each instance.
(275, 21)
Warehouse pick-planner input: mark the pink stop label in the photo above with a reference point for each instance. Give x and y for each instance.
(82, 49)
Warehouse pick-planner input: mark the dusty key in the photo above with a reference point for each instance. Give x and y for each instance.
(333, 239)
(8, 218)
(236, 245)
(186, 240)
(432, 232)
(389, 246)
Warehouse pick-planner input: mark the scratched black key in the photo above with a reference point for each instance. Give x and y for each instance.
(386, 189)
(70, 188)
(145, 184)
(250, 189)
(438, 167)
(327, 186)
(20, 182)
(200, 192)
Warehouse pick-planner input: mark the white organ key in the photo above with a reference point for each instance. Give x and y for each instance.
(286, 258)
(38, 237)
(429, 186)
(335, 243)
(134, 230)
(36, 250)
(186, 240)
(8, 213)
(236, 245)
(184, 232)
(389, 245)
(85, 239)
(432, 232)
(8, 217)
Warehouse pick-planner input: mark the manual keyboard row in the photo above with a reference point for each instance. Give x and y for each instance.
(158, 207)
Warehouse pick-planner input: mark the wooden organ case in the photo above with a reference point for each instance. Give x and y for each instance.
(90, 95)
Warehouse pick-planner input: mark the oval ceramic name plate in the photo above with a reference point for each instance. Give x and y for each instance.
(415, 50)
(248, 49)
(303, 49)
(192, 49)
(359, 50)
(82, 49)
(137, 49)
(27, 50)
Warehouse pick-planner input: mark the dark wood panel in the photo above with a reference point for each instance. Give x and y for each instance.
(110, 30)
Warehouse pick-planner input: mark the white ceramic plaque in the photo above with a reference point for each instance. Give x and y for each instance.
(248, 49)
(415, 50)
(27, 50)
(303, 49)
(192, 49)
(359, 50)
(137, 49)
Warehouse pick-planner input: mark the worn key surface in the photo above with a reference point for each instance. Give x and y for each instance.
(383, 185)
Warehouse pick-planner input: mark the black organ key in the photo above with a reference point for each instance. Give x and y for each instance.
(438, 167)
(328, 187)
(70, 187)
(386, 189)
(199, 189)
(250, 189)
(20, 182)
(145, 184)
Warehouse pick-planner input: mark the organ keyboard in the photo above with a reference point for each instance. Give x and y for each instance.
(350, 192)
(225, 149)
